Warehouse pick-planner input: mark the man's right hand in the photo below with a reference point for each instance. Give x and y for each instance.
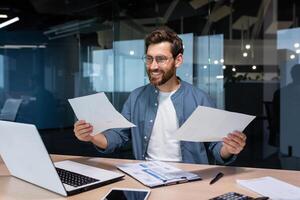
(83, 131)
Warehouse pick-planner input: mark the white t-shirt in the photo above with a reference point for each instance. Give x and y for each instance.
(161, 146)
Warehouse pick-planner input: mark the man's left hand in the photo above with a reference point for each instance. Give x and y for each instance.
(233, 144)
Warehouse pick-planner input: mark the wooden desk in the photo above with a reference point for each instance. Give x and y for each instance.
(12, 188)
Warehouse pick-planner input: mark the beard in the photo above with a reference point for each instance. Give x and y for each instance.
(162, 77)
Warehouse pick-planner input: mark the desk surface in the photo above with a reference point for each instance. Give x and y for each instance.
(13, 188)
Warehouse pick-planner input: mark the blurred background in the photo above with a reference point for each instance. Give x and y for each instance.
(244, 53)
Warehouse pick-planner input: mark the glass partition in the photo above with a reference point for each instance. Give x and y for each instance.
(243, 53)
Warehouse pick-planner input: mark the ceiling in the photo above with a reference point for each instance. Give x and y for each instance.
(182, 15)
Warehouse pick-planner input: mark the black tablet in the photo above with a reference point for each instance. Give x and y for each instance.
(127, 194)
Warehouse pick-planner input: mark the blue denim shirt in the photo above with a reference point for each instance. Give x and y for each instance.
(141, 108)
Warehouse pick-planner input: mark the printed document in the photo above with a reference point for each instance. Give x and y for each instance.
(209, 124)
(156, 173)
(271, 187)
(97, 110)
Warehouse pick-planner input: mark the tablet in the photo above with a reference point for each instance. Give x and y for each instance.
(127, 194)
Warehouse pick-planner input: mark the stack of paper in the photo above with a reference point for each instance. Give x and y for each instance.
(271, 187)
(98, 111)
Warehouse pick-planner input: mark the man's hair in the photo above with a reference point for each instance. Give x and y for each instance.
(165, 34)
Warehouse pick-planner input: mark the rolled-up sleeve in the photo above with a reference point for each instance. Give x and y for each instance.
(117, 138)
(215, 148)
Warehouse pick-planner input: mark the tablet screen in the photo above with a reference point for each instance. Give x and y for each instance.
(124, 194)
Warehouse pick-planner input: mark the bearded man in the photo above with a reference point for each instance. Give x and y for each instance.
(159, 108)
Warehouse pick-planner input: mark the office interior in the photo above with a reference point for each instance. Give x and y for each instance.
(244, 53)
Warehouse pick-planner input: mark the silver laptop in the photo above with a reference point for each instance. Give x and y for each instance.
(26, 157)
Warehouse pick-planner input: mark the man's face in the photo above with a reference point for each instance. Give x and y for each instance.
(163, 67)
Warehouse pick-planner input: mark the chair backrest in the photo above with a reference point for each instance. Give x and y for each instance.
(10, 109)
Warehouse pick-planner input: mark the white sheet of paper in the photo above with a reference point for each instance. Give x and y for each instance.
(97, 110)
(209, 124)
(271, 187)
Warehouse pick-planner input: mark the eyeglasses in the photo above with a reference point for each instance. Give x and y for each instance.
(161, 60)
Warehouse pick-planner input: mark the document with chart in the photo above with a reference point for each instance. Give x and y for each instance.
(97, 110)
(209, 124)
(156, 173)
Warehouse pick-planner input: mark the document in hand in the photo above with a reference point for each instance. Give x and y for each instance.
(98, 111)
(271, 187)
(156, 173)
(209, 124)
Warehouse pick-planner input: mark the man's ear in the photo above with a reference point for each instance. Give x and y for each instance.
(178, 60)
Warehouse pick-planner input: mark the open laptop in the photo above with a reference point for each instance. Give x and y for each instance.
(26, 157)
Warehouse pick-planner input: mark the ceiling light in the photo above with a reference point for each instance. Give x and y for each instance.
(245, 54)
(296, 45)
(292, 56)
(204, 67)
(220, 77)
(298, 51)
(221, 60)
(254, 67)
(131, 52)
(3, 16)
(224, 66)
(233, 69)
(8, 22)
(216, 62)
(16, 46)
(248, 46)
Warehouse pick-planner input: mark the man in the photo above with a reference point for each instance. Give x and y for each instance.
(159, 108)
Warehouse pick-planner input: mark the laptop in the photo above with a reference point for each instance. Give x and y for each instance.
(26, 157)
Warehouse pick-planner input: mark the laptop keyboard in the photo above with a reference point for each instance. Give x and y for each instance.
(74, 179)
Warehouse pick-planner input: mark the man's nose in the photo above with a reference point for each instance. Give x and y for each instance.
(154, 65)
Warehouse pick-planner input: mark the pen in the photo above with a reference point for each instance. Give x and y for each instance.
(261, 198)
(216, 178)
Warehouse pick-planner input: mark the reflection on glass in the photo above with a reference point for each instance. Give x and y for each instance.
(10, 109)
(129, 66)
(185, 71)
(1, 71)
(289, 114)
(287, 98)
(210, 49)
(102, 70)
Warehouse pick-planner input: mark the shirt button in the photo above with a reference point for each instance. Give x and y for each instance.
(156, 91)
(155, 104)
(145, 137)
(151, 120)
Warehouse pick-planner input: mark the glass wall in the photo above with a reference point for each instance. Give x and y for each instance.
(243, 53)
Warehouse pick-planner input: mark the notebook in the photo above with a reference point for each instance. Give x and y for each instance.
(26, 157)
(156, 173)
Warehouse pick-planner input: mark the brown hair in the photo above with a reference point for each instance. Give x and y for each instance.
(165, 34)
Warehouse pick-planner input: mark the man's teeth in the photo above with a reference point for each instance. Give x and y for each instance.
(155, 73)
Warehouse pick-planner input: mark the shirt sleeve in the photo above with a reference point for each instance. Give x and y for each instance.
(215, 148)
(117, 138)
